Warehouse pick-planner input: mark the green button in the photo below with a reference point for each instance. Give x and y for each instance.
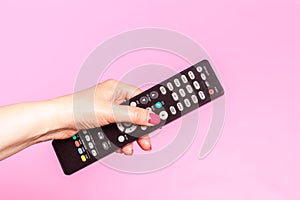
(74, 137)
(158, 104)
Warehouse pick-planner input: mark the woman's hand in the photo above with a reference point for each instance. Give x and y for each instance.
(29, 123)
(99, 106)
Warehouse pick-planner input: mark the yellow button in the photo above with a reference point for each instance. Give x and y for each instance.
(83, 158)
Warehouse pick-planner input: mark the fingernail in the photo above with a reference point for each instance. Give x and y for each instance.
(153, 119)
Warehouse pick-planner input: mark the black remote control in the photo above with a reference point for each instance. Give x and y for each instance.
(170, 99)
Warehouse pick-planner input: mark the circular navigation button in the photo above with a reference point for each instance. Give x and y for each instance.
(154, 95)
(121, 138)
(158, 104)
(127, 124)
(144, 100)
(120, 126)
(130, 129)
(163, 115)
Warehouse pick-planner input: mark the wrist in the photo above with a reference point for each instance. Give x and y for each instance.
(61, 112)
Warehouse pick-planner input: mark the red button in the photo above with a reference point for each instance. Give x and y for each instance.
(77, 144)
(211, 91)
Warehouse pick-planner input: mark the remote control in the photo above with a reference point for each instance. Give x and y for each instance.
(170, 99)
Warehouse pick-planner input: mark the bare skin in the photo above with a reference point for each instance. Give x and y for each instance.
(25, 124)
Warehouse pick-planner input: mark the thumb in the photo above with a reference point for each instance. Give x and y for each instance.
(135, 115)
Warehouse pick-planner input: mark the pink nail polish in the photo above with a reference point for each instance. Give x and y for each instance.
(153, 119)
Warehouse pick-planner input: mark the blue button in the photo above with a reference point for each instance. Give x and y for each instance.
(80, 151)
(158, 104)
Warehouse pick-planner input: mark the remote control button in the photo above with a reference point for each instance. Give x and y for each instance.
(170, 86)
(101, 135)
(180, 106)
(163, 90)
(187, 102)
(203, 76)
(121, 138)
(105, 145)
(173, 110)
(74, 137)
(84, 131)
(184, 79)
(87, 138)
(133, 103)
(120, 126)
(144, 100)
(191, 75)
(199, 69)
(154, 95)
(189, 89)
(201, 95)
(163, 115)
(77, 144)
(91, 146)
(144, 128)
(148, 108)
(175, 96)
(211, 91)
(158, 105)
(94, 152)
(207, 83)
(127, 124)
(177, 82)
(194, 98)
(80, 151)
(83, 158)
(182, 92)
(131, 129)
(196, 85)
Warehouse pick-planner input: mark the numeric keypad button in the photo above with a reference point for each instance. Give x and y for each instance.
(180, 106)
(203, 76)
(177, 82)
(196, 85)
(184, 79)
(187, 102)
(173, 110)
(175, 96)
(194, 98)
(182, 92)
(191, 75)
(170, 86)
(189, 89)
(163, 90)
(201, 95)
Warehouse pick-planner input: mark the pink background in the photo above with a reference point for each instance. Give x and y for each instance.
(255, 46)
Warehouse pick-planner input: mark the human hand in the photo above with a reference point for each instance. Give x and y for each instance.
(99, 106)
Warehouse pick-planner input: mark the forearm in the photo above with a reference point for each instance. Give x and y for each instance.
(28, 123)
